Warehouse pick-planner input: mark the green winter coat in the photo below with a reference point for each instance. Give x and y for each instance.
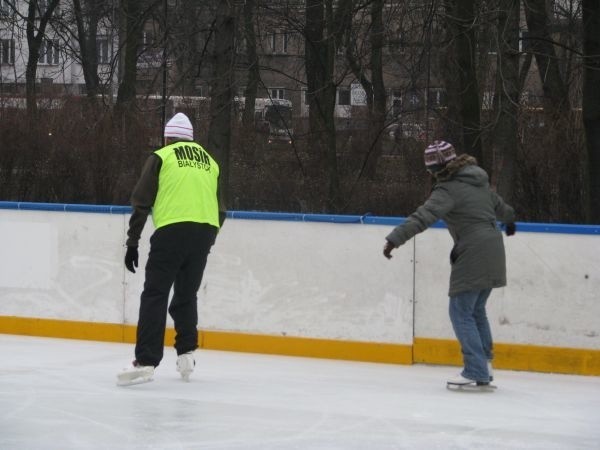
(463, 199)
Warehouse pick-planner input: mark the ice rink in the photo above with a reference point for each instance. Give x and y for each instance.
(61, 394)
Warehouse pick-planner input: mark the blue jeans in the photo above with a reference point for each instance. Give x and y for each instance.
(471, 326)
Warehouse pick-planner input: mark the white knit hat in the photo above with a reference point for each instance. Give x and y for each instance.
(180, 127)
(439, 153)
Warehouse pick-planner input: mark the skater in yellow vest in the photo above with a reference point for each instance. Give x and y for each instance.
(179, 186)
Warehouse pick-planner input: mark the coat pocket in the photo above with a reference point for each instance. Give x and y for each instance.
(453, 255)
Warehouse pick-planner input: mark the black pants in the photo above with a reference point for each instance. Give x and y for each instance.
(177, 259)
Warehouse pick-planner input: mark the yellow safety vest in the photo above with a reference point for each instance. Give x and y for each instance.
(187, 186)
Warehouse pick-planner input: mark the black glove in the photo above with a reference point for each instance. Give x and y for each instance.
(131, 258)
(511, 228)
(387, 249)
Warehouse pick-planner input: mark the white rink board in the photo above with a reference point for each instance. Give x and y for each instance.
(264, 277)
(548, 300)
(305, 279)
(75, 263)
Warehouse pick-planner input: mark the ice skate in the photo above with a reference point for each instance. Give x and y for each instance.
(185, 365)
(460, 383)
(135, 374)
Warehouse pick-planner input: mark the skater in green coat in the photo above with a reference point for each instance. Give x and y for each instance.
(462, 198)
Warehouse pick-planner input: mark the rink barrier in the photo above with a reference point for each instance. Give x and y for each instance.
(216, 340)
(534, 358)
(366, 219)
(422, 350)
(426, 351)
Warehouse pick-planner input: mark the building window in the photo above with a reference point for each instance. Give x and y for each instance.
(487, 100)
(278, 42)
(272, 42)
(150, 55)
(43, 8)
(277, 93)
(396, 102)
(5, 7)
(344, 96)
(436, 97)
(102, 53)
(284, 42)
(7, 51)
(148, 40)
(49, 52)
(413, 99)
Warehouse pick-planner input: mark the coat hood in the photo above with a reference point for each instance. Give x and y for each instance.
(464, 168)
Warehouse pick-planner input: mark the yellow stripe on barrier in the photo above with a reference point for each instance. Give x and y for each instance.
(309, 347)
(91, 331)
(424, 350)
(533, 358)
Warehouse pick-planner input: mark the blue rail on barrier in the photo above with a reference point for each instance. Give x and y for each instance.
(30, 206)
(298, 217)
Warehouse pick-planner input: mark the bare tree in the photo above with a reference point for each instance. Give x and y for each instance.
(556, 99)
(36, 23)
(506, 98)
(379, 93)
(558, 120)
(321, 90)
(87, 16)
(253, 64)
(219, 134)
(591, 103)
(133, 17)
(461, 19)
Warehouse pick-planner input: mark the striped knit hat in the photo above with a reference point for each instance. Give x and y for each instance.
(180, 127)
(439, 154)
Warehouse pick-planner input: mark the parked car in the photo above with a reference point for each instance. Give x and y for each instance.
(400, 131)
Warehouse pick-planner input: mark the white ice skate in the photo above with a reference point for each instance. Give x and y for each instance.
(460, 383)
(135, 374)
(185, 365)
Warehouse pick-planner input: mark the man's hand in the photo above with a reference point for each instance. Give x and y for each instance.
(387, 249)
(131, 258)
(511, 228)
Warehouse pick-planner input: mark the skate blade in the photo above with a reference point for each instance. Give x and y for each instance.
(133, 381)
(129, 378)
(471, 387)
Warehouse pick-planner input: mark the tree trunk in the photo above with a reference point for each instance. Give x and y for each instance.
(591, 103)
(506, 98)
(556, 97)
(566, 201)
(321, 89)
(379, 95)
(34, 44)
(221, 92)
(461, 19)
(87, 44)
(133, 22)
(253, 67)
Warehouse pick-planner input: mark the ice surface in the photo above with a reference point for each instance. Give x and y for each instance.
(61, 394)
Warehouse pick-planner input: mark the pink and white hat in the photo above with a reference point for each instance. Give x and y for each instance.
(180, 127)
(439, 153)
